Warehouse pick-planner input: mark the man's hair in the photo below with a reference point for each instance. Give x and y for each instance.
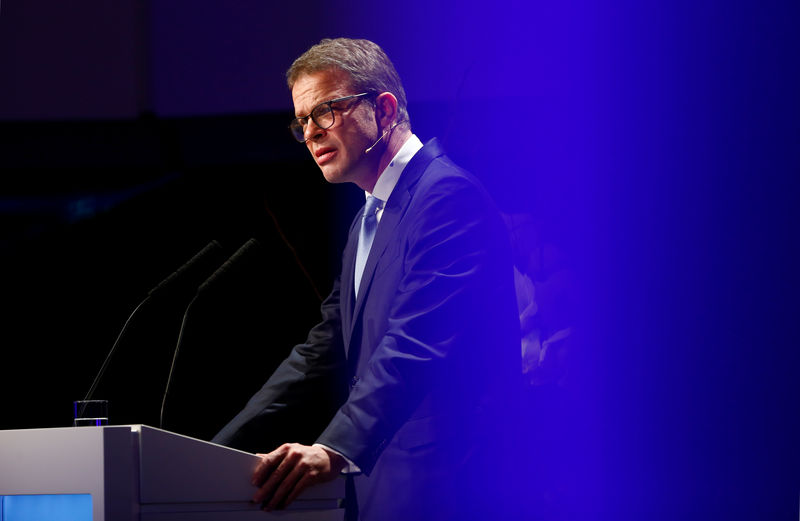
(367, 66)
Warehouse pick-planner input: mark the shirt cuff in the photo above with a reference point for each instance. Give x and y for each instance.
(351, 467)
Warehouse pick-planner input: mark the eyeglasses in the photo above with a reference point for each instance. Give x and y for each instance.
(322, 115)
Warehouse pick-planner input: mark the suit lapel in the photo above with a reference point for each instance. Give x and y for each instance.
(393, 213)
(346, 289)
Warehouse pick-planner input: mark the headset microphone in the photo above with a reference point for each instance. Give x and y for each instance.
(381, 138)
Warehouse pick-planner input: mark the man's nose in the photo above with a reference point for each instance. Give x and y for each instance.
(312, 130)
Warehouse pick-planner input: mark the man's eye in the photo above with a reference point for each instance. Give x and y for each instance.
(322, 111)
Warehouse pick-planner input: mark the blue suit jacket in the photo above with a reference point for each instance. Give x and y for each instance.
(420, 363)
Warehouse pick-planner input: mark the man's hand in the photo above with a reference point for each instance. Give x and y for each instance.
(288, 470)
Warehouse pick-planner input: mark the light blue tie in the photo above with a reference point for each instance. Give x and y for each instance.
(369, 223)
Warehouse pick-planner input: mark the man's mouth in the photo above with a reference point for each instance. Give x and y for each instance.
(324, 155)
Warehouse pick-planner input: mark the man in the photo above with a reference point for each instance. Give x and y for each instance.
(421, 324)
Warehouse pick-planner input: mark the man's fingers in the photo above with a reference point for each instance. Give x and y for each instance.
(263, 469)
(269, 471)
(281, 498)
(284, 473)
(305, 481)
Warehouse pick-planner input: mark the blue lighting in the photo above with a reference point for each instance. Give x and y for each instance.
(55, 507)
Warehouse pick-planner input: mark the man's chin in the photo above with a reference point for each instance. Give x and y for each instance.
(332, 175)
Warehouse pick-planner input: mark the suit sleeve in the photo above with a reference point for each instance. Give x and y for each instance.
(455, 274)
(300, 397)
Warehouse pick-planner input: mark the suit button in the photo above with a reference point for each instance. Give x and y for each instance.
(379, 448)
(353, 382)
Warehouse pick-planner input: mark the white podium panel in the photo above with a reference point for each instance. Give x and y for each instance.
(137, 472)
(87, 460)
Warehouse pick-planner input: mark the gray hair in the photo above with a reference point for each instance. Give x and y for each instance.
(367, 66)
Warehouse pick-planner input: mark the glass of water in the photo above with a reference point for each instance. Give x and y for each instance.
(89, 413)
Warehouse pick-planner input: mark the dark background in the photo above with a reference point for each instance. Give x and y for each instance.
(657, 145)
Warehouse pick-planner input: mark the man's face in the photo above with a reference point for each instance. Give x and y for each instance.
(338, 150)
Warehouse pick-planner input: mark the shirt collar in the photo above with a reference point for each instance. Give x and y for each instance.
(391, 174)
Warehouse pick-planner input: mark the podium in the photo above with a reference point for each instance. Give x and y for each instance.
(140, 473)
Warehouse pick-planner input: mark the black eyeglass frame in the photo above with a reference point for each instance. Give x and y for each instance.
(301, 123)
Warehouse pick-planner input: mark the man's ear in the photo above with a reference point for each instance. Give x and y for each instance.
(385, 109)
